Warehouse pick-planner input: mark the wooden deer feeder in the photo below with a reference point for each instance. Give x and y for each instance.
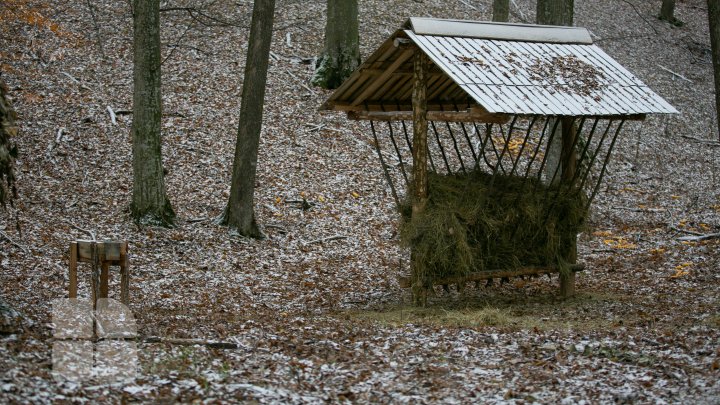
(512, 130)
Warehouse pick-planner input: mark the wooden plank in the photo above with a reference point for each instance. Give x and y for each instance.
(111, 250)
(406, 281)
(85, 250)
(471, 115)
(380, 80)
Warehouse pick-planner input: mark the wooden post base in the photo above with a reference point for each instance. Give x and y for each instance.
(567, 285)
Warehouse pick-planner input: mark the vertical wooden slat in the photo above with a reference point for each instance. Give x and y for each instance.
(72, 288)
(420, 157)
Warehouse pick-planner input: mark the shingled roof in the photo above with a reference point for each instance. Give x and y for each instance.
(499, 69)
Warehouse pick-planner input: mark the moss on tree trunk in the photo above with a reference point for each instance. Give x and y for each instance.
(8, 150)
(342, 45)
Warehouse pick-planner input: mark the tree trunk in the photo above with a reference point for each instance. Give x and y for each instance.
(240, 214)
(8, 149)
(150, 205)
(555, 12)
(667, 11)
(714, 22)
(501, 10)
(342, 44)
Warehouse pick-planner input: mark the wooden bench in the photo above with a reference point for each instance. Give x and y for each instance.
(101, 255)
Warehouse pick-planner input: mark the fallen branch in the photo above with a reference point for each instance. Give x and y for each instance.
(279, 228)
(12, 242)
(192, 342)
(328, 239)
(58, 138)
(85, 231)
(675, 73)
(698, 238)
(632, 209)
(113, 118)
(703, 141)
(468, 4)
(676, 229)
(194, 220)
(520, 14)
(69, 76)
(301, 83)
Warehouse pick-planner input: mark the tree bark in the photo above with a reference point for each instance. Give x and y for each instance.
(555, 12)
(714, 23)
(150, 205)
(8, 149)
(501, 10)
(667, 11)
(239, 215)
(342, 44)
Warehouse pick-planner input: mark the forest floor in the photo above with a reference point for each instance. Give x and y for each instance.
(319, 320)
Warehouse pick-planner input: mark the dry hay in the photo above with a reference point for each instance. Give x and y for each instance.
(477, 221)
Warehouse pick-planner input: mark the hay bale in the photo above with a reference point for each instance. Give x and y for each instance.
(476, 221)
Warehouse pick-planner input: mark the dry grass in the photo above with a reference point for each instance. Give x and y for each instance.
(539, 312)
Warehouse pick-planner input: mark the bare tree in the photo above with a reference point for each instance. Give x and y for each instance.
(239, 214)
(555, 12)
(150, 204)
(342, 44)
(714, 22)
(501, 10)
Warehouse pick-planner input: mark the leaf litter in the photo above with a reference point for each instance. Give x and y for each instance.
(326, 321)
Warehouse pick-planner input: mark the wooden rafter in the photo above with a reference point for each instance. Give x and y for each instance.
(380, 80)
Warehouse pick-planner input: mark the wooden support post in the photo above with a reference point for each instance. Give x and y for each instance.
(124, 275)
(95, 274)
(420, 157)
(569, 165)
(72, 288)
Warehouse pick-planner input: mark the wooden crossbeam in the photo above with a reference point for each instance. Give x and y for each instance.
(470, 115)
(406, 281)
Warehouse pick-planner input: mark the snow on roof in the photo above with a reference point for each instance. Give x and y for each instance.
(502, 68)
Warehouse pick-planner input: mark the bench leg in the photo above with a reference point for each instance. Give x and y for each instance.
(104, 279)
(124, 281)
(72, 288)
